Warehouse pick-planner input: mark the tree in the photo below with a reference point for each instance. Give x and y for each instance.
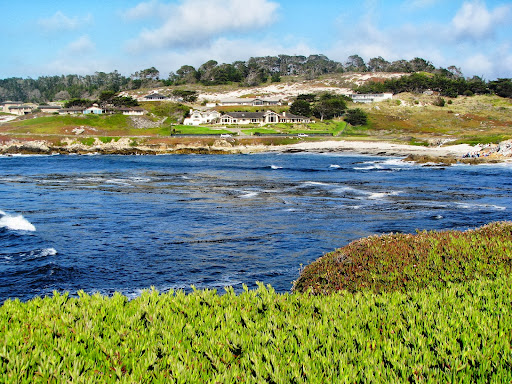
(378, 64)
(85, 103)
(307, 96)
(301, 108)
(502, 87)
(329, 106)
(356, 117)
(187, 74)
(276, 77)
(355, 63)
(188, 96)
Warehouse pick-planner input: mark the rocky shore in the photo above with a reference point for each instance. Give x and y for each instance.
(447, 155)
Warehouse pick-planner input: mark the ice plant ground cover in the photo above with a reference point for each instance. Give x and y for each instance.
(455, 331)
(403, 262)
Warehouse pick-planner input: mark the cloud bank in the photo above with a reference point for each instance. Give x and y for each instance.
(196, 22)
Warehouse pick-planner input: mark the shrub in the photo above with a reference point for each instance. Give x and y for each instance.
(439, 102)
(405, 262)
(356, 117)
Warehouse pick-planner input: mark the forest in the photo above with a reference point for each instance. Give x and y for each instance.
(255, 71)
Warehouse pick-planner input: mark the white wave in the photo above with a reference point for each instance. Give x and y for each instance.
(15, 222)
(481, 206)
(381, 195)
(336, 166)
(248, 195)
(275, 167)
(393, 164)
(317, 183)
(41, 253)
(48, 252)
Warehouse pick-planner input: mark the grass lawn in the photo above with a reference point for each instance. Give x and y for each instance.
(198, 130)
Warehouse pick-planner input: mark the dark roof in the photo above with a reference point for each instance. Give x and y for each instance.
(129, 109)
(154, 95)
(246, 115)
(292, 116)
(72, 109)
(11, 102)
(21, 107)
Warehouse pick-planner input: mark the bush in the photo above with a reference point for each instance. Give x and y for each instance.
(356, 117)
(405, 262)
(439, 102)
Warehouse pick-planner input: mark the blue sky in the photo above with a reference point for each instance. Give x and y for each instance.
(53, 37)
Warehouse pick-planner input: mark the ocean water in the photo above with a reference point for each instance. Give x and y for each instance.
(126, 223)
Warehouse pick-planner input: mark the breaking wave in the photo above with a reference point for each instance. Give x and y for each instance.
(15, 222)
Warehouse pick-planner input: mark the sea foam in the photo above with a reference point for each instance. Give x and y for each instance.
(15, 222)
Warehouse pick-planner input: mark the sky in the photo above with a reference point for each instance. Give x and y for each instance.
(40, 37)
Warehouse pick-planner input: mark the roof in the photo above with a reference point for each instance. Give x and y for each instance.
(72, 109)
(130, 109)
(154, 95)
(292, 116)
(21, 107)
(246, 115)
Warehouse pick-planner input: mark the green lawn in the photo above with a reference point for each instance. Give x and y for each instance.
(198, 130)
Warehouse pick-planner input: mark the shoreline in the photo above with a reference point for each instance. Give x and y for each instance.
(449, 154)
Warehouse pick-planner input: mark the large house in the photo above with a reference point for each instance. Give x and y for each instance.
(198, 117)
(155, 96)
(96, 110)
(15, 107)
(250, 102)
(369, 97)
(49, 108)
(269, 117)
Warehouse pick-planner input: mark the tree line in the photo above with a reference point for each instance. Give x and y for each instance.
(255, 71)
(446, 86)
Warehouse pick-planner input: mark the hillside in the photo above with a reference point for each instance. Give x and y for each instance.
(409, 118)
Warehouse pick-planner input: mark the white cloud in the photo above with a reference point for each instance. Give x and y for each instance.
(149, 9)
(61, 22)
(475, 22)
(83, 45)
(195, 22)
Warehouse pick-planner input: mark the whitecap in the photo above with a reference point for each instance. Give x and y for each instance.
(275, 167)
(336, 166)
(48, 252)
(15, 222)
(248, 195)
(40, 253)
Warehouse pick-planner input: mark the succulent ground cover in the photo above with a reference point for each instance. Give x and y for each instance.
(456, 328)
(403, 262)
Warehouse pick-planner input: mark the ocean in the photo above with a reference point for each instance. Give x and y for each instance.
(127, 223)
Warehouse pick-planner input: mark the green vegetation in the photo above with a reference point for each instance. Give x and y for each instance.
(260, 131)
(440, 313)
(460, 333)
(197, 130)
(356, 117)
(106, 140)
(89, 141)
(407, 262)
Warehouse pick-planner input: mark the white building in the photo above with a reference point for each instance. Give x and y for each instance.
(262, 118)
(199, 117)
(369, 97)
(250, 102)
